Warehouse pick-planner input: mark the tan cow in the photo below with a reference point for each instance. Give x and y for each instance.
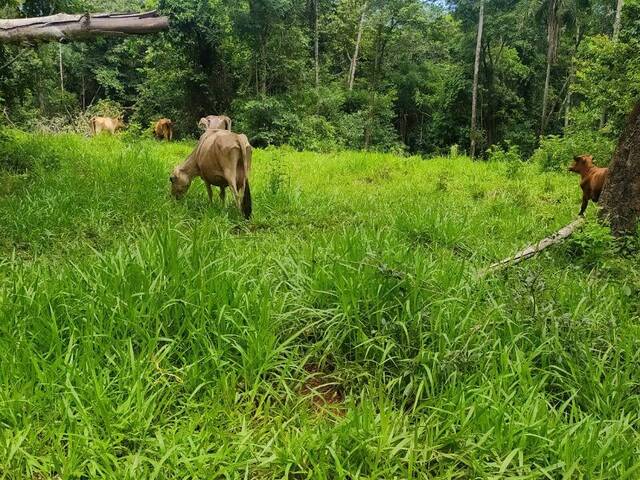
(222, 159)
(215, 122)
(163, 129)
(106, 124)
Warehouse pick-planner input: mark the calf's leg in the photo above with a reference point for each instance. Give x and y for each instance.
(585, 202)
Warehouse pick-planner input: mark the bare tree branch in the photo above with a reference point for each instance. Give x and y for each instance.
(73, 27)
(533, 250)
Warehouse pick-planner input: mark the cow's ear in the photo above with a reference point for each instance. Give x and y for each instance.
(173, 178)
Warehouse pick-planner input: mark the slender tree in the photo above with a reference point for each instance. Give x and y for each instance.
(476, 74)
(316, 42)
(618, 21)
(553, 30)
(60, 64)
(354, 59)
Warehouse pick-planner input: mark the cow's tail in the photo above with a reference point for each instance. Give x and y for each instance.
(247, 207)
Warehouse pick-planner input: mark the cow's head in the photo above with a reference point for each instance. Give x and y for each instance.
(214, 122)
(581, 163)
(119, 122)
(180, 182)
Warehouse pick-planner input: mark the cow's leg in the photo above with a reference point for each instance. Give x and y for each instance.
(223, 194)
(236, 195)
(209, 192)
(230, 177)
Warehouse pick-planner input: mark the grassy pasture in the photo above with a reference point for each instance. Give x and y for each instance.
(340, 333)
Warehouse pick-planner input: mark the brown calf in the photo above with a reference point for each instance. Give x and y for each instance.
(163, 129)
(592, 179)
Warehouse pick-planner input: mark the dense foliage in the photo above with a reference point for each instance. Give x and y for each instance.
(255, 60)
(145, 338)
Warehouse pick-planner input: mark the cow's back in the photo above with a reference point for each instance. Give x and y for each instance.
(104, 123)
(217, 151)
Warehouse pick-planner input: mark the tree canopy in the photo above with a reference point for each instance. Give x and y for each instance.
(549, 66)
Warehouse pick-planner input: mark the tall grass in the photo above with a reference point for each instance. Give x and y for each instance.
(146, 338)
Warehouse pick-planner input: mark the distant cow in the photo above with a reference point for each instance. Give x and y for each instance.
(106, 124)
(592, 179)
(222, 159)
(215, 122)
(163, 129)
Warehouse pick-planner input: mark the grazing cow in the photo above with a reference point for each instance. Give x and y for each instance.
(163, 129)
(592, 179)
(106, 124)
(215, 122)
(222, 159)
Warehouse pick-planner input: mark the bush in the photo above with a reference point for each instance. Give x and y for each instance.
(105, 108)
(499, 154)
(555, 153)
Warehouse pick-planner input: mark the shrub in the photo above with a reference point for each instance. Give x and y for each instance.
(105, 108)
(555, 153)
(499, 154)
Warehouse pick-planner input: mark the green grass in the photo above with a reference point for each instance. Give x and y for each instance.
(146, 338)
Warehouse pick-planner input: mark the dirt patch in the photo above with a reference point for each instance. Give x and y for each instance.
(322, 390)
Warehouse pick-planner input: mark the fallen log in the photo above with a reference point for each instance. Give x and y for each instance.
(533, 250)
(76, 27)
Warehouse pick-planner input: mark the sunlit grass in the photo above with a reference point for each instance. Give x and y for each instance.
(146, 338)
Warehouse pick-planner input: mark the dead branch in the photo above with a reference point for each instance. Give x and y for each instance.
(533, 250)
(73, 27)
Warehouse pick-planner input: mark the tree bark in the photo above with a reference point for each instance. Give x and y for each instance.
(476, 74)
(73, 27)
(618, 21)
(354, 59)
(552, 48)
(621, 195)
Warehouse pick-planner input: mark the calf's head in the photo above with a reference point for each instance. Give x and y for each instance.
(581, 163)
(180, 182)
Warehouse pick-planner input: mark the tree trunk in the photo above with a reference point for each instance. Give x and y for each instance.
(354, 59)
(84, 94)
(567, 111)
(263, 63)
(552, 40)
(618, 20)
(317, 44)
(71, 27)
(621, 195)
(476, 74)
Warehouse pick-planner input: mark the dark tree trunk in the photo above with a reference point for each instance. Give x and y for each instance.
(316, 41)
(621, 194)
